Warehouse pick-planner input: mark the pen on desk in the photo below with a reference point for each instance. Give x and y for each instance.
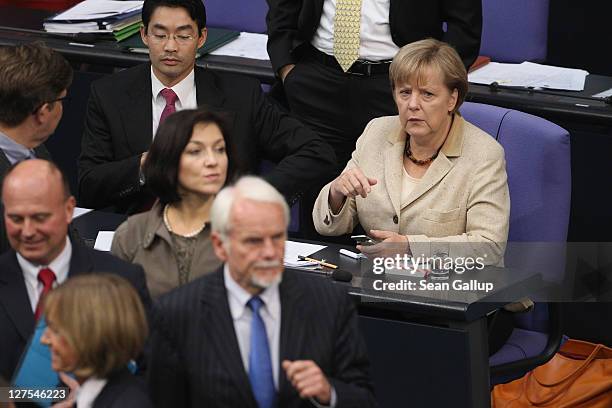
(81, 44)
(322, 263)
(351, 254)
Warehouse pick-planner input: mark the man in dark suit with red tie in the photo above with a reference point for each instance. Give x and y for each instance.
(125, 109)
(252, 335)
(38, 207)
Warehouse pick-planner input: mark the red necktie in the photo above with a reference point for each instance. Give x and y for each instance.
(170, 108)
(46, 277)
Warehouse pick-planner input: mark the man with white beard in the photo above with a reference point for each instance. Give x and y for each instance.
(252, 334)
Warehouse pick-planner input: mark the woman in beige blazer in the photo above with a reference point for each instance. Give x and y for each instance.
(426, 180)
(189, 161)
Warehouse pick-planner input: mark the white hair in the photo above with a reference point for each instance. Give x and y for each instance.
(249, 187)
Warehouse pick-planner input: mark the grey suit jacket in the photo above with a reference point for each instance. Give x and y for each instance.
(462, 201)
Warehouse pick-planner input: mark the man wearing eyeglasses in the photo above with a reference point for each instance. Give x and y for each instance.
(33, 82)
(125, 110)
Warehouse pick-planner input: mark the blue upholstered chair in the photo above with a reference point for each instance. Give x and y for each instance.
(239, 15)
(538, 165)
(514, 30)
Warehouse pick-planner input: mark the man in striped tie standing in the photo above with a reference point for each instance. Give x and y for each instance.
(252, 334)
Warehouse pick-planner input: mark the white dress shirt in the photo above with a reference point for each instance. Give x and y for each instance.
(270, 312)
(185, 90)
(375, 39)
(60, 266)
(87, 393)
(242, 315)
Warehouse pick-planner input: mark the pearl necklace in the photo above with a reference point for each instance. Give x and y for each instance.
(188, 235)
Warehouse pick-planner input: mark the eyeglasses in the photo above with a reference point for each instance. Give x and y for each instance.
(182, 39)
(64, 100)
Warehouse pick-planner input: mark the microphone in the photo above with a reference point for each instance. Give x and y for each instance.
(341, 276)
(337, 274)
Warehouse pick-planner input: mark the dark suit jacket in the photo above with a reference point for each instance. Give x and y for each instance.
(294, 22)
(123, 390)
(16, 317)
(195, 358)
(118, 128)
(42, 153)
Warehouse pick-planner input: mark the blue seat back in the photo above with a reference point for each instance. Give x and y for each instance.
(514, 30)
(239, 15)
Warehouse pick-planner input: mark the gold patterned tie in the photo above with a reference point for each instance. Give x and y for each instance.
(346, 32)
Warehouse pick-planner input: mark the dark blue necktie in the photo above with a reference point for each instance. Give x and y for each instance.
(260, 363)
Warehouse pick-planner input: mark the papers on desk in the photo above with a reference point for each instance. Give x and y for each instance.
(529, 74)
(248, 45)
(603, 94)
(98, 9)
(107, 18)
(294, 249)
(78, 211)
(104, 240)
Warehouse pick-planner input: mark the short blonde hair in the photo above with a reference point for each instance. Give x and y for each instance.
(102, 319)
(412, 60)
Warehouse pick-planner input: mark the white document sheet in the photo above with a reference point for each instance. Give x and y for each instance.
(78, 211)
(529, 74)
(104, 240)
(95, 9)
(247, 45)
(293, 249)
(603, 94)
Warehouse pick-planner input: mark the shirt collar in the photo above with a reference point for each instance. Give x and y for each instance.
(14, 151)
(87, 393)
(60, 265)
(238, 297)
(183, 89)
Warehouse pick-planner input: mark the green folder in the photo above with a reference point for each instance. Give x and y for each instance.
(127, 32)
(215, 39)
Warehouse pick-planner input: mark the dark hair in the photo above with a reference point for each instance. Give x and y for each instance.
(52, 169)
(161, 167)
(30, 76)
(195, 8)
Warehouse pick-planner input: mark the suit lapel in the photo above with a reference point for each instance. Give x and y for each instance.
(208, 94)
(436, 172)
(14, 297)
(293, 330)
(441, 165)
(394, 157)
(4, 163)
(137, 111)
(80, 261)
(217, 315)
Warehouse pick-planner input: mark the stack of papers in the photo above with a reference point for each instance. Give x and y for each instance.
(116, 19)
(529, 74)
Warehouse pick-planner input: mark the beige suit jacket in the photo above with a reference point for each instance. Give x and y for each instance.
(460, 206)
(144, 239)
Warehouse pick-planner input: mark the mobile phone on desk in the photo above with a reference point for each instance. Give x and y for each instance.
(364, 240)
